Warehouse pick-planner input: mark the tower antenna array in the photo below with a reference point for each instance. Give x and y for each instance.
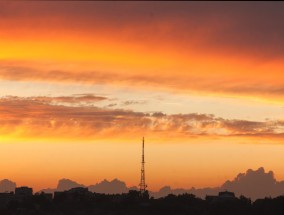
(142, 184)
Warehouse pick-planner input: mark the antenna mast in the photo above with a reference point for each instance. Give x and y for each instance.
(142, 181)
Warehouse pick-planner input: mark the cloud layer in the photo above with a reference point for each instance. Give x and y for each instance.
(59, 117)
(233, 48)
(256, 28)
(265, 86)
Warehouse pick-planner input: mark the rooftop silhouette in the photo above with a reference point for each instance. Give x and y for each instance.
(80, 200)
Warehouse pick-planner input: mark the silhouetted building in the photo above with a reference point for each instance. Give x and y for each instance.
(58, 195)
(226, 194)
(78, 190)
(5, 198)
(23, 191)
(73, 194)
(222, 196)
(47, 196)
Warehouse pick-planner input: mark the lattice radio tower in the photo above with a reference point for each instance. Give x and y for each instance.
(142, 184)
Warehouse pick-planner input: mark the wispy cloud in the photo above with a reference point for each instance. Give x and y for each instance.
(36, 117)
(133, 102)
(74, 99)
(232, 86)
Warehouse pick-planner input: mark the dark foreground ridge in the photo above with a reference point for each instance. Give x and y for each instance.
(80, 201)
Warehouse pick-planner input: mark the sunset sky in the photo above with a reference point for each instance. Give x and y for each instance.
(82, 82)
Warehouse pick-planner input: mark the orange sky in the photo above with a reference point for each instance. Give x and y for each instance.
(109, 73)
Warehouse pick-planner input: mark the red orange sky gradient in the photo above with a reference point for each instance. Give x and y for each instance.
(79, 78)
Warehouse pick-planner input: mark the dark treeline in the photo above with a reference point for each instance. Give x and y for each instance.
(79, 201)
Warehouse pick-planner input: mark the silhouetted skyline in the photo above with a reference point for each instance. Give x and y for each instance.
(254, 184)
(80, 200)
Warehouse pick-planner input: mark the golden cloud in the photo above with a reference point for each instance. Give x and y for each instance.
(36, 118)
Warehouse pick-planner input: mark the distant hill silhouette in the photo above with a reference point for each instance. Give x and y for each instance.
(253, 183)
(67, 184)
(63, 185)
(7, 186)
(109, 187)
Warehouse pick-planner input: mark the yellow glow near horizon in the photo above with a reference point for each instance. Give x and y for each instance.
(166, 164)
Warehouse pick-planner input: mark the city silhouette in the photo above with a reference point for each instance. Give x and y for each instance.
(79, 200)
(253, 192)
